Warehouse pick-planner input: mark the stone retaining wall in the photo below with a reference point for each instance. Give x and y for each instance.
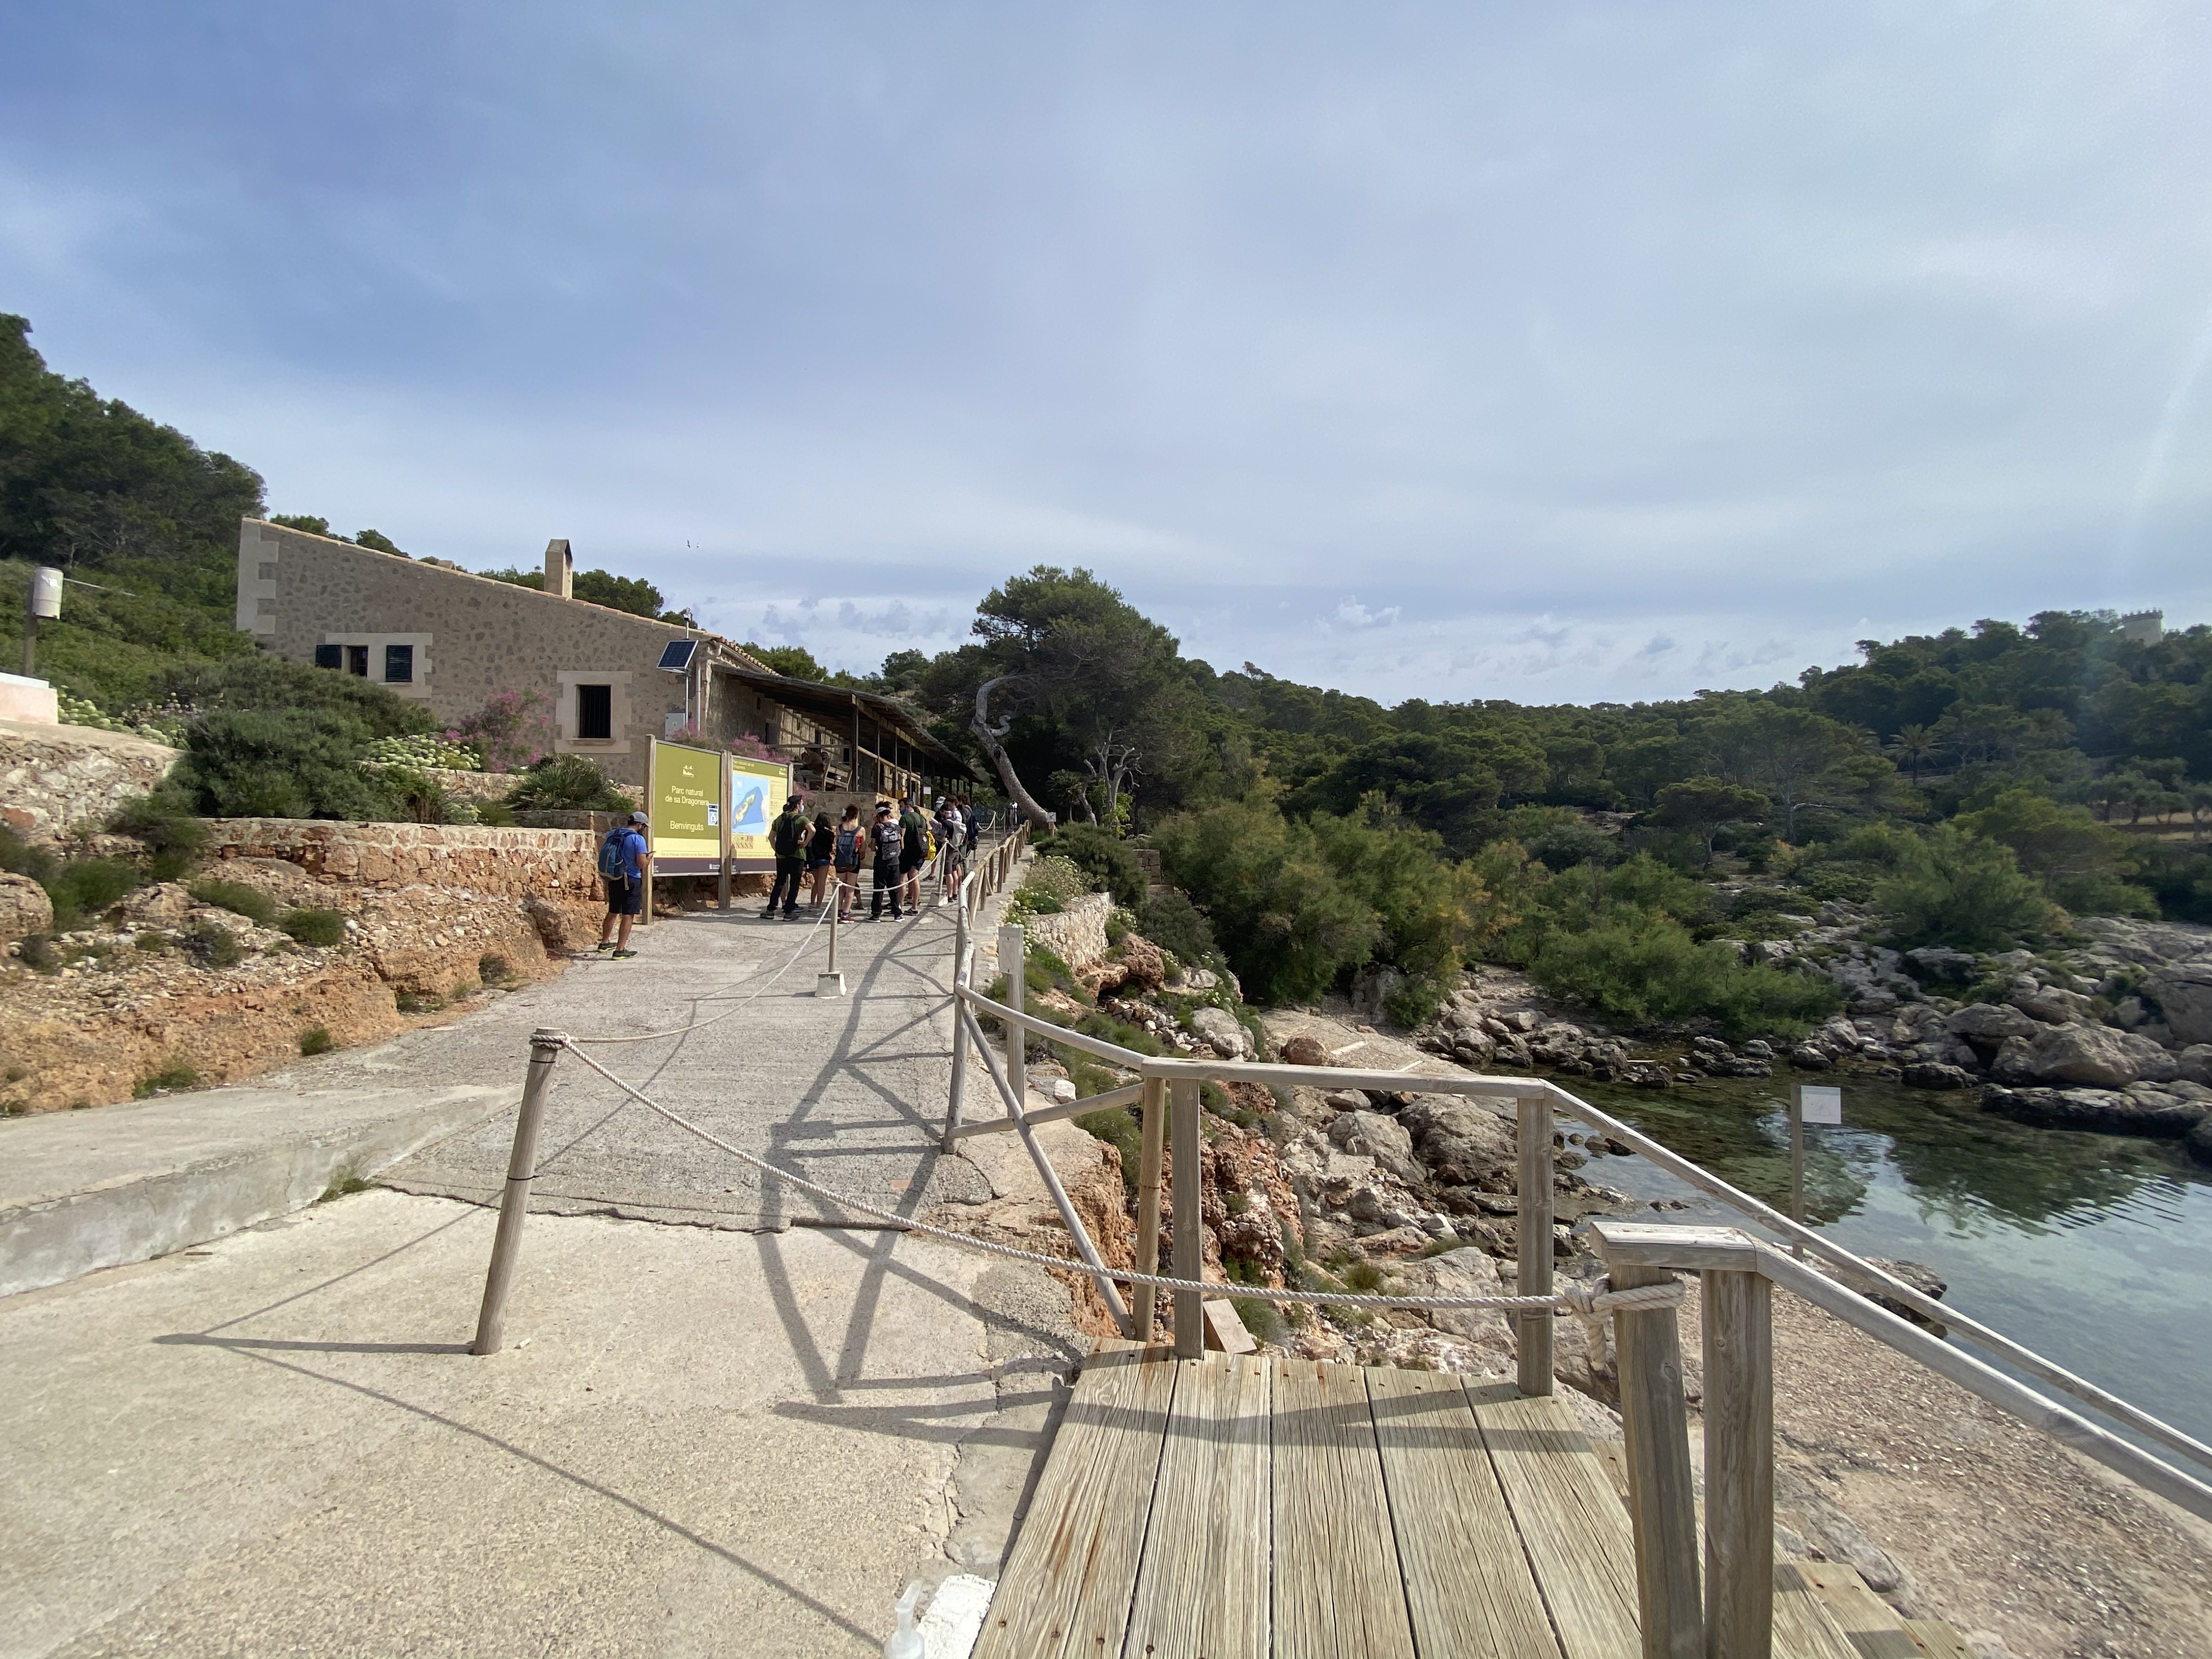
(55, 779)
(1076, 935)
(476, 858)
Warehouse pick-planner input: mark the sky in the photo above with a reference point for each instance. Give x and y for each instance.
(1550, 352)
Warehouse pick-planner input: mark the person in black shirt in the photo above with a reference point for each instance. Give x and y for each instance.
(889, 840)
(820, 847)
(786, 839)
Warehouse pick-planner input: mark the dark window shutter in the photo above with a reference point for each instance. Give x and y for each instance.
(357, 661)
(595, 711)
(329, 656)
(398, 665)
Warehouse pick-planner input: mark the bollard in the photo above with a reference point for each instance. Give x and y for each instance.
(514, 1202)
(829, 983)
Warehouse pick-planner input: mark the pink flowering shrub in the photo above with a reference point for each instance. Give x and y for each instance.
(510, 731)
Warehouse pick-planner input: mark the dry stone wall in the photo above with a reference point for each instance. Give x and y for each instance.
(548, 864)
(57, 780)
(1076, 935)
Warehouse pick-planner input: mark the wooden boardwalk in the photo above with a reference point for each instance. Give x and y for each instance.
(1226, 1508)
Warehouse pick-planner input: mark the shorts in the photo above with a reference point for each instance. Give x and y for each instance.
(624, 898)
(910, 859)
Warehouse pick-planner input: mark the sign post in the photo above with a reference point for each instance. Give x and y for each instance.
(1808, 1103)
(722, 886)
(684, 798)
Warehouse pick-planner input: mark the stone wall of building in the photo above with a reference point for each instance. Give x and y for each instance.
(56, 780)
(549, 864)
(472, 637)
(1076, 935)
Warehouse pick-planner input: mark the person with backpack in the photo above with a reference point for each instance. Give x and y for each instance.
(889, 841)
(913, 830)
(821, 847)
(626, 873)
(851, 840)
(953, 845)
(786, 839)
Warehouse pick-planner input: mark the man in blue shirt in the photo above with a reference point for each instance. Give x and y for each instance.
(626, 871)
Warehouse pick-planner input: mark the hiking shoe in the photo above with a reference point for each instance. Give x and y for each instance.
(620, 956)
(605, 944)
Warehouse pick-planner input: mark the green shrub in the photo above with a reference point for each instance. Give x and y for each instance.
(163, 821)
(1120, 1128)
(213, 944)
(36, 952)
(1109, 864)
(238, 898)
(1961, 890)
(83, 888)
(1852, 883)
(1649, 967)
(322, 927)
(280, 763)
(566, 783)
(416, 796)
(315, 1040)
(1171, 921)
(154, 939)
(258, 682)
(1052, 885)
(417, 1002)
(175, 1075)
(494, 969)
(424, 749)
(21, 858)
(496, 813)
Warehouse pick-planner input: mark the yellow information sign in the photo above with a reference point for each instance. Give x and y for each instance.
(758, 790)
(685, 803)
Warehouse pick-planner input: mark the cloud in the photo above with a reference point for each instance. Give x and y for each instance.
(1353, 615)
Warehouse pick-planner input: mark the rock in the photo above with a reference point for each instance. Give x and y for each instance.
(1373, 987)
(1939, 964)
(1061, 1090)
(2194, 1063)
(25, 908)
(1304, 1050)
(165, 904)
(2199, 1142)
(1460, 1142)
(1219, 1028)
(2098, 1057)
(2185, 993)
(1201, 979)
(2052, 1005)
(1346, 1100)
(1921, 1277)
(1462, 1273)
(1806, 1058)
(1383, 1139)
(1932, 1075)
(1989, 1023)
(2014, 1062)
(2104, 1111)
(1474, 1046)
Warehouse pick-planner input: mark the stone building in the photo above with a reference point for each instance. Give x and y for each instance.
(608, 681)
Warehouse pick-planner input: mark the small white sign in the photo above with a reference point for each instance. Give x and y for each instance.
(1816, 1104)
(713, 814)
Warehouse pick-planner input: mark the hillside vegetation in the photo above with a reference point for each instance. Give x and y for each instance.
(1975, 786)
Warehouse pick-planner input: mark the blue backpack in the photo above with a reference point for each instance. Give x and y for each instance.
(614, 854)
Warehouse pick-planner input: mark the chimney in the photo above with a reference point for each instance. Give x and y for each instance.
(560, 570)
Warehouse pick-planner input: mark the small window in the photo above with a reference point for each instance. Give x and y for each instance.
(269, 570)
(357, 661)
(329, 656)
(595, 712)
(399, 665)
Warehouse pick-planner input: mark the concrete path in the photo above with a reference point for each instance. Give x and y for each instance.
(719, 1437)
(698, 1442)
(848, 1091)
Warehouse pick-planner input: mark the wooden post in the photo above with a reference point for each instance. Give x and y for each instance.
(1189, 1230)
(1655, 1423)
(1797, 1162)
(1014, 964)
(1534, 1330)
(651, 757)
(959, 1093)
(1153, 1108)
(1739, 1344)
(514, 1202)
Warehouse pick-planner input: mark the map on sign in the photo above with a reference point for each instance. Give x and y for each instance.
(758, 792)
(1818, 1105)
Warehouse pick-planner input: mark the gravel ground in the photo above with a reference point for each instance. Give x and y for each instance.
(2002, 1531)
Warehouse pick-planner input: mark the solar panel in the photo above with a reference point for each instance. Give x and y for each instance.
(675, 656)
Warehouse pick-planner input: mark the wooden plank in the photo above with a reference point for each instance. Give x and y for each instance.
(1937, 1639)
(1065, 1588)
(1803, 1629)
(1202, 1590)
(1868, 1623)
(1337, 1592)
(1571, 1523)
(1468, 1586)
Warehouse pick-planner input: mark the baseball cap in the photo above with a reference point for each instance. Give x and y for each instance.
(639, 817)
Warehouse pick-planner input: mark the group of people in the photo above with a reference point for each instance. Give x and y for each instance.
(899, 843)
